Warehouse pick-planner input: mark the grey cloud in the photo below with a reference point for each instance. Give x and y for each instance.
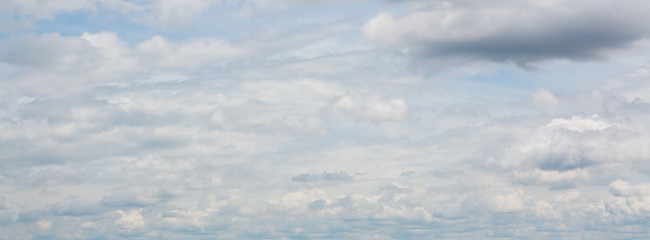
(30, 215)
(247, 187)
(555, 179)
(338, 176)
(563, 162)
(127, 200)
(239, 152)
(73, 206)
(407, 173)
(3, 203)
(525, 33)
(46, 51)
(317, 204)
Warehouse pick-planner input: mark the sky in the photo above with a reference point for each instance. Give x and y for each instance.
(325, 119)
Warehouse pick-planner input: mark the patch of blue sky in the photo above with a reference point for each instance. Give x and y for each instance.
(85, 21)
(569, 77)
(238, 23)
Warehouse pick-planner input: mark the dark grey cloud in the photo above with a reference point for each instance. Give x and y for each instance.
(521, 32)
(73, 206)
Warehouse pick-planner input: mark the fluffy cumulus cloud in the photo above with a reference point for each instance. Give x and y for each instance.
(147, 123)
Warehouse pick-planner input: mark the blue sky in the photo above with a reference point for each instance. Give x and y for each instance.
(293, 119)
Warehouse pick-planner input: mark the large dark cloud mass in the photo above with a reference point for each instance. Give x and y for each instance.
(521, 32)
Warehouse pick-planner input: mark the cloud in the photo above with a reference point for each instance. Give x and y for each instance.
(631, 201)
(562, 145)
(621, 188)
(45, 224)
(3, 203)
(127, 200)
(302, 131)
(371, 108)
(338, 176)
(130, 219)
(87, 61)
(177, 14)
(511, 201)
(228, 156)
(521, 32)
(553, 178)
(545, 100)
(51, 51)
(158, 51)
(73, 206)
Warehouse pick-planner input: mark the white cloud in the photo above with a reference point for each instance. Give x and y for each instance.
(565, 144)
(579, 124)
(553, 178)
(507, 202)
(302, 131)
(545, 100)
(545, 210)
(56, 63)
(630, 201)
(158, 51)
(130, 219)
(115, 57)
(622, 188)
(178, 14)
(371, 108)
(45, 224)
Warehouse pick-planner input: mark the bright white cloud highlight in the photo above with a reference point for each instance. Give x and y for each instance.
(371, 108)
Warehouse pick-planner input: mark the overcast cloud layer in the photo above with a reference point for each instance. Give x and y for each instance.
(324, 119)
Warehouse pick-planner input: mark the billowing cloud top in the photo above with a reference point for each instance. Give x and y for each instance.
(362, 119)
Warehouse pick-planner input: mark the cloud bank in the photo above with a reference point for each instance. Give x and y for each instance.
(150, 124)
